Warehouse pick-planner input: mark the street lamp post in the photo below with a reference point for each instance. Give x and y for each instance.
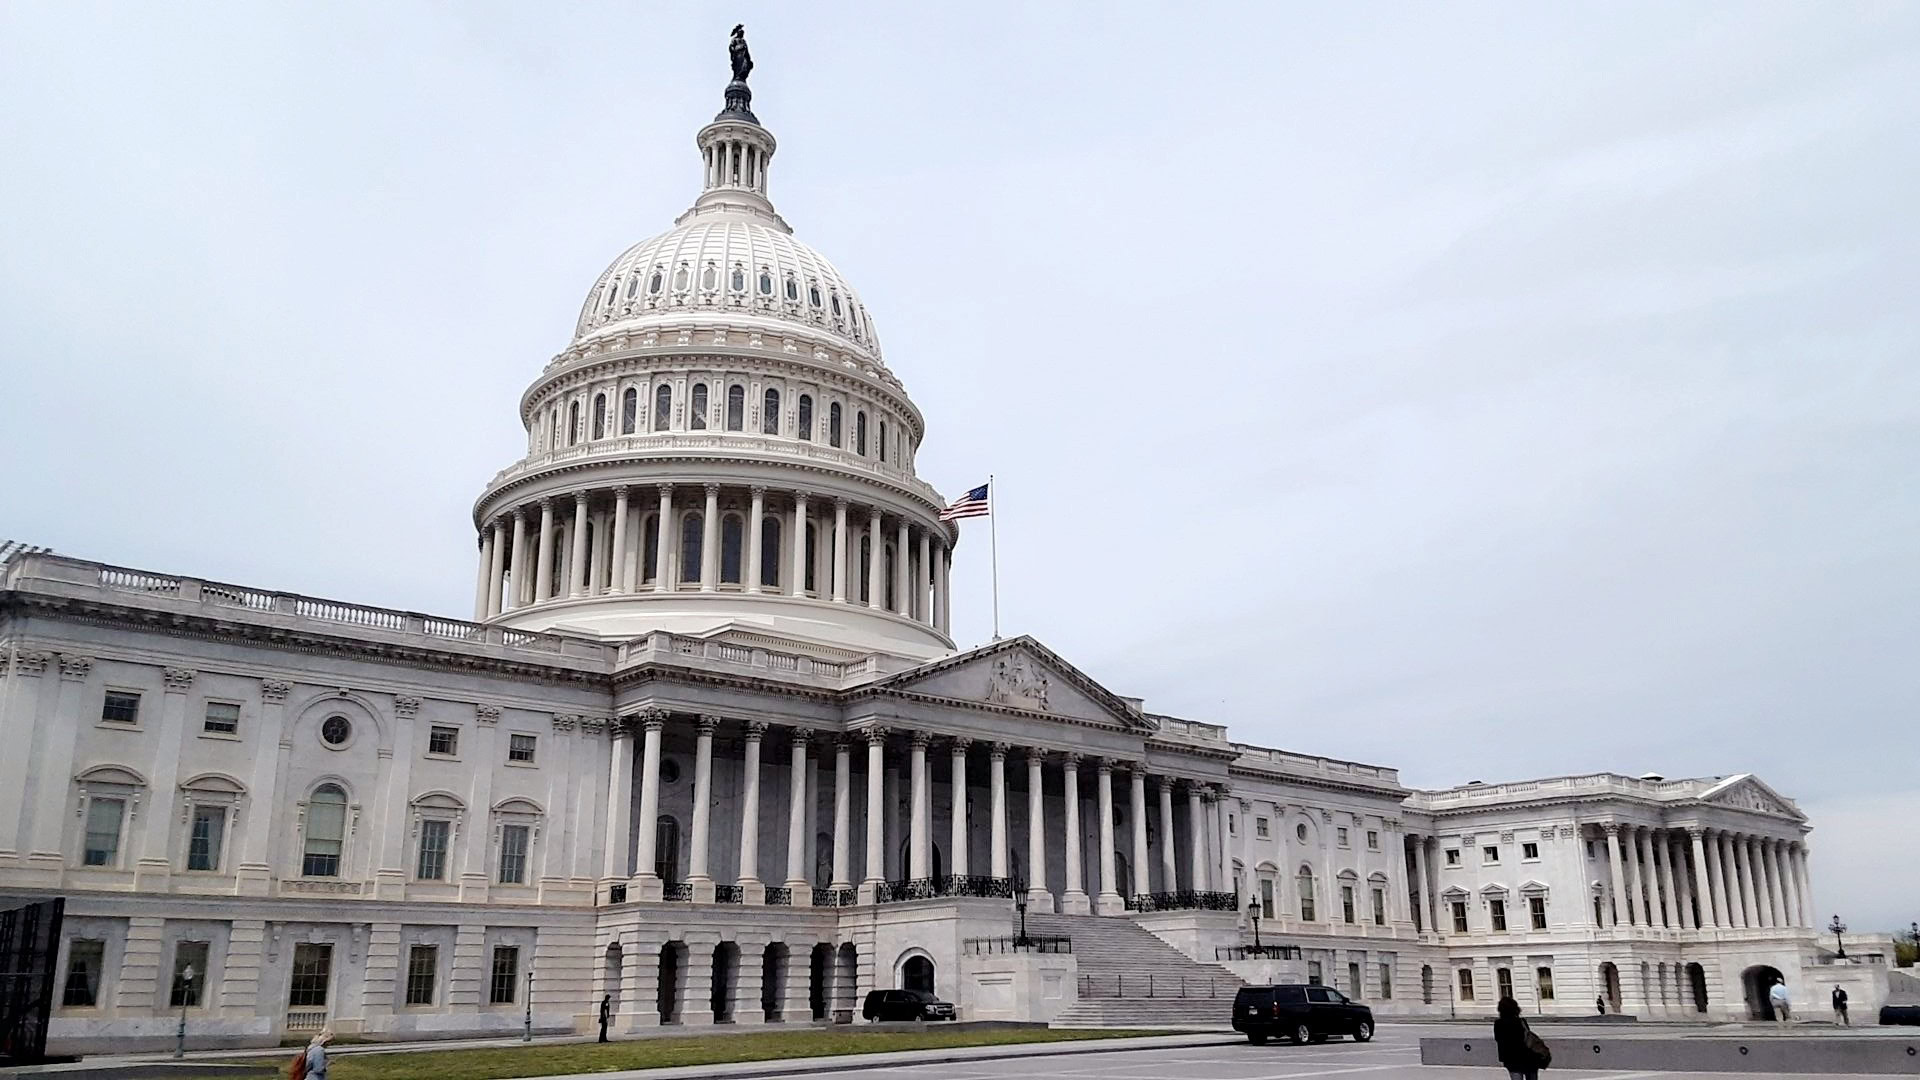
(1836, 928)
(1253, 913)
(186, 995)
(1020, 905)
(526, 1033)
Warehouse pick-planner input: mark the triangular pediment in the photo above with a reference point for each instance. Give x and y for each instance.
(1747, 792)
(1023, 675)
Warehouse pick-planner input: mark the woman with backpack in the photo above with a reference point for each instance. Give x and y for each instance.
(312, 1064)
(1521, 1051)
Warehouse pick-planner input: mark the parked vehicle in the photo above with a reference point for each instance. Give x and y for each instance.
(905, 1005)
(1900, 1014)
(1300, 1013)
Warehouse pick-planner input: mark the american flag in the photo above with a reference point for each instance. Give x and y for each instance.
(972, 504)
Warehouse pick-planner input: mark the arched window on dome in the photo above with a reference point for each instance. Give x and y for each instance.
(599, 416)
(629, 410)
(835, 297)
(697, 411)
(692, 532)
(553, 429)
(611, 294)
(766, 282)
(710, 278)
(573, 423)
(770, 552)
(633, 285)
(739, 280)
(860, 432)
(770, 413)
(833, 425)
(662, 406)
(793, 288)
(883, 440)
(736, 407)
(813, 558)
(813, 293)
(653, 283)
(804, 428)
(732, 538)
(866, 567)
(650, 548)
(681, 279)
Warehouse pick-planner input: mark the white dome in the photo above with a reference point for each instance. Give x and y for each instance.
(730, 263)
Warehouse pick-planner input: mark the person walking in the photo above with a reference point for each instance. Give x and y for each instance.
(1601, 1004)
(606, 1014)
(1522, 1052)
(317, 1055)
(1840, 1006)
(1782, 1004)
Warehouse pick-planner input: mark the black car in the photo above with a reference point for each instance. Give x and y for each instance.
(905, 1005)
(1300, 1013)
(1900, 1014)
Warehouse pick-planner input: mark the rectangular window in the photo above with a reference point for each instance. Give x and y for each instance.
(1266, 898)
(1489, 855)
(421, 961)
(1537, 911)
(1453, 856)
(85, 957)
(1379, 907)
(1313, 973)
(103, 831)
(1543, 983)
(209, 831)
(1503, 978)
(433, 850)
(1341, 835)
(520, 747)
(1233, 826)
(312, 968)
(1386, 982)
(120, 707)
(1373, 840)
(1260, 827)
(443, 740)
(1346, 903)
(1466, 984)
(223, 718)
(1459, 916)
(1529, 850)
(506, 974)
(1497, 913)
(186, 992)
(513, 854)
(1353, 981)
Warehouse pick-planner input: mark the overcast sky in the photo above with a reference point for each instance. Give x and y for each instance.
(1493, 391)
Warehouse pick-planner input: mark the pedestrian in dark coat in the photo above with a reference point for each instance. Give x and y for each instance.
(606, 1015)
(1511, 1038)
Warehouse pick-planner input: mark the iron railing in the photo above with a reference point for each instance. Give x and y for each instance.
(729, 894)
(1257, 952)
(616, 894)
(986, 946)
(1183, 900)
(779, 896)
(678, 891)
(889, 892)
(835, 897)
(1180, 987)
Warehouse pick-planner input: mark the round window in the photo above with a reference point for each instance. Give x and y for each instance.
(336, 730)
(669, 771)
(1300, 831)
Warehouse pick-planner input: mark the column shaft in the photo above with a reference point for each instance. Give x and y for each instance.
(1742, 885)
(922, 602)
(943, 589)
(1708, 913)
(1424, 900)
(480, 575)
(517, 563)
(577, 559)
(1142, 859)
(1620, 900)
(1196, 840)
(621, 512)
(919, 846)
(756, 510)
(648, 857)
(750, 807)
(619, 808)
(1075, 892)
(1169, 870)
(957, 786)
(663, 542)
(997, 793)
(1103, 793)
(496, 567)
(797, 813)
(1036, 827)
(876, 806)
(797, 573)
(702, 800)
(1662, 854)
(876, 563)
(543, 573)
(842, 814)
(710, 541)
(839, 551)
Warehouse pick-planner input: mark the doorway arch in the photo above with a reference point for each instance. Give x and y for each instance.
(933, 853)
(820, 967)
(846, 977)
(615, 982)
(1610, 986)
(773, 981)
(1697, 978)
(726, 974)
(1755, 982)
(672, 969)
(916, 973)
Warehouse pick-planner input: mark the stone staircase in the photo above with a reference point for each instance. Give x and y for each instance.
(1130, 978)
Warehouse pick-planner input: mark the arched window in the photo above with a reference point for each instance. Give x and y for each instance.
(860, 432)
(833, 425)
(692, 532)
(599, 416)
(653, 285)
(739, 281)
(890, 601)
(835, 297)
(629, 410)
(813, 293)
(917, 974)
(662, 406)
(681, 280)
(736, 407)
(666, 849)
(866, 564)
(793, 288)
(1305, 884)
(770, 552)
(731, 538)
(650, 548)
(805, 426)
(709, 278)
(883, 440)
(573, 423)
(697, 411)
(326, 832)
(553, 429)
(770, 413)
(813, 553)
(633, 285)
(766, 282)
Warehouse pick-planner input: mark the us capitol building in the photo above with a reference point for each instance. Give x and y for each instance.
(707, 748)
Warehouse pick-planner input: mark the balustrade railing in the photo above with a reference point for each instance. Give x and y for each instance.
(992, 945)
(779, 896)
(678, 892)
(890, 892)
(1157, 986)
(835, 897)
(729, 894)
(1183, 900)
(1256, 952)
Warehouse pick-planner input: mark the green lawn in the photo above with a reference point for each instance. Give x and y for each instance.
(565, 1058)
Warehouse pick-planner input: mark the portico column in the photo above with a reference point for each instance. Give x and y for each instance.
(1789, 887)
(876, 563)
(652, 723)
(1073, 899)
(697, 860)
(1038, 895)
(1619, 899)
(750, 807)
(918, 846)
(756, 510)
(1742, 883)
(1720, 871)
(1763, 882)
(1109, 902)
(543, 573)
(957, 789)
(797, 574)
(876, 811)
(1805, 876)
(1196, 839)
(797, 817)
(1709, 913)
(839, 551)
(1682, 880)
(1223, 868)
(922, 608)
(1662, 855)
(1169, 869)
(663, 542)
(1647, 889)
(1777, 882)
(710, 541)
(613, 866)
(842, 812)
(517, 563)
(1422, 902)
(577, 559)
(997, 789)
(902, 562)
(496, 566)
(1141, 859)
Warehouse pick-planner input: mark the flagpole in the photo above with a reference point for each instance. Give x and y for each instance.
(993, 544)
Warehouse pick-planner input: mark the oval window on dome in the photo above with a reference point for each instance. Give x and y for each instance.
(653, 286)
(766, 283)
(739, 281)
(813, 294)
(680, 279)
(710, 279)
(793, 288)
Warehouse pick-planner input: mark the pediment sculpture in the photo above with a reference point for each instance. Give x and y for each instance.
(1014, 682)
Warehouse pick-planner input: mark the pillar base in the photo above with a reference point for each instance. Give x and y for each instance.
(253, 879)
(1040, 901)
(752, 892)
(865, 893)
(802, 893)
(1110, 904)
(646, 887)
(1074, 902)
(627, 1022)
(704, 891)
(753, 1017)
(150, 875)
(696, 1017)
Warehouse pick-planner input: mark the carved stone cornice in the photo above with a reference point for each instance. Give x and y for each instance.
(920, 740)
(651, 719)
(756, 730)
(705, 725)
(405, 706)
(177, 680)
(275, 691)
(31, 664)
(487, 715)
(74, 668)
(596, 726)
(564, 723)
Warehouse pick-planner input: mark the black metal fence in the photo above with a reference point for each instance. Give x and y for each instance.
(616, 894)
(889, 892)
(1183, 900)
(729, 894)
(987, 946)
(679, 891)
(29, 942)
(779, 896)
(1172, 987)
(1257, 952)
(835, 897)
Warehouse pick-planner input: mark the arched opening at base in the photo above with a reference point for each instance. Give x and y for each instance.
(726, 976)
(1697, 978)
(916, 973)
(818, 979)
(615, 988)
(773, 981)
(846, 980)
(1755, 982)
(1610, 986)
(673, 971)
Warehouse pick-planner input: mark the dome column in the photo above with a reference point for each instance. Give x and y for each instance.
(480, 579)
(876, 563)
(710, 541)
(663, 532)
(902, 563)
(922, 608)
(942, 590)
(577, 558)
(543, 573)
(839, 551)
(797, 575)
(496, 566)
(750, 573)
(620, 510)
(517, 568)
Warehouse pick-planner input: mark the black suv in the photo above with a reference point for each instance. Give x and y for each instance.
(905, 1005)
(1300, 1013)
